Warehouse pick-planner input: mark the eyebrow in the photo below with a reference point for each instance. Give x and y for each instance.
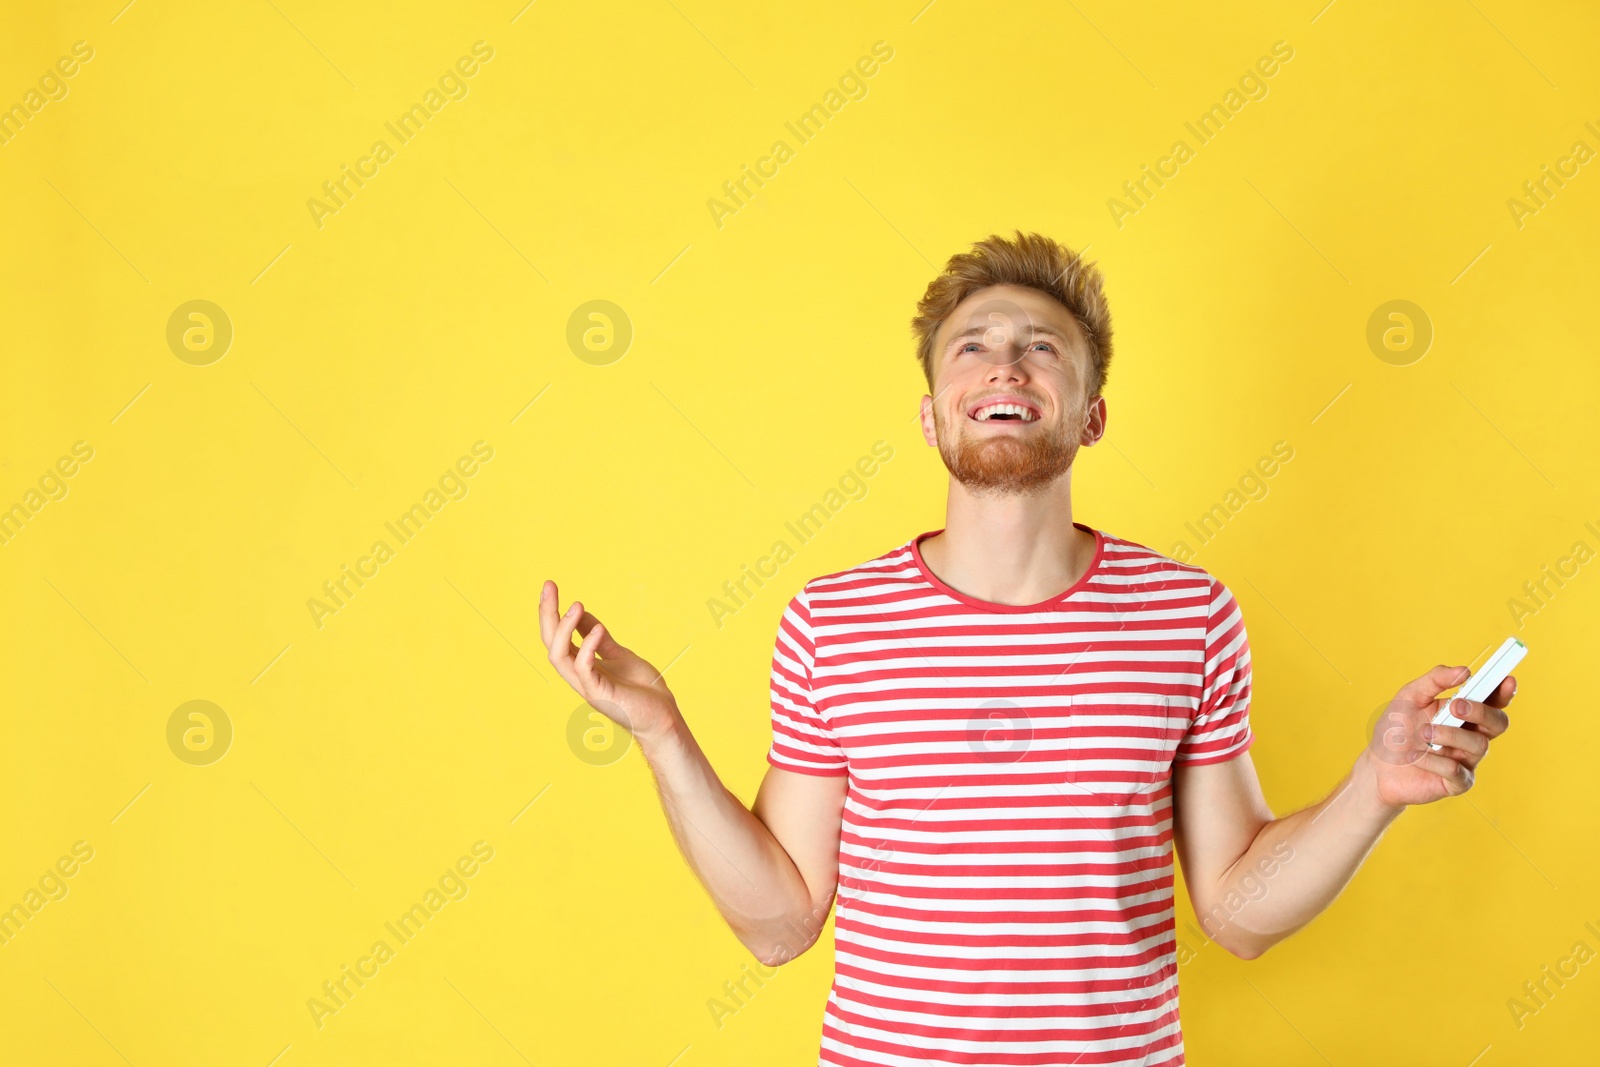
(1030, 329)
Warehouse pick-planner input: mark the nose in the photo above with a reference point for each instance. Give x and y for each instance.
(1013, 371)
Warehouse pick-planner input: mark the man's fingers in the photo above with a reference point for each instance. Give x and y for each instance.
(586, 650)
(608, 646)
(1503, 693)
(1458, 776)
(1490, 721)
(550, 618)
(1420, 691)
(561, 637)
(1470, 743)
(1460, 756)
(559, 648)
(547, 612)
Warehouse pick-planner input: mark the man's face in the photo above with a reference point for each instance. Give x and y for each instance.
(1010, 376)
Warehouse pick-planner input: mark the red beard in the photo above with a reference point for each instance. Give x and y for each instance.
(1010, 464)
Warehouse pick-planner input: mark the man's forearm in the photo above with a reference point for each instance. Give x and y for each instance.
(1297, 865)
(751, 879)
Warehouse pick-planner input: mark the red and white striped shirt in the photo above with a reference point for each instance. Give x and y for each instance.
(1005, 867)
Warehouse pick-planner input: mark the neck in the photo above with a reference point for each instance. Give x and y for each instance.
(1010, 548)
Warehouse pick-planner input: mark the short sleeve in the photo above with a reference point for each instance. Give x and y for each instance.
(1221, 728)
(801, 740)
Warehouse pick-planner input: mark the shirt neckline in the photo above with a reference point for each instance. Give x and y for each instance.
(989, 605)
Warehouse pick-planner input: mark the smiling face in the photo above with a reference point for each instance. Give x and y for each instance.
(1011, 373)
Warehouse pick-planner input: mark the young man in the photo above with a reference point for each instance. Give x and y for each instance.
(987, 740)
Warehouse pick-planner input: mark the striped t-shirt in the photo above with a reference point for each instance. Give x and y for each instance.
(1005, 868)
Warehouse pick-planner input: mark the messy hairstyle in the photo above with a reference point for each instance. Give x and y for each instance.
(1031, 260)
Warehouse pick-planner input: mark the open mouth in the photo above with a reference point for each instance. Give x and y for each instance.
(1003, 412)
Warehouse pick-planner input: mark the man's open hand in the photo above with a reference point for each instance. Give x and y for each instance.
(615, 681)
(1411, 772)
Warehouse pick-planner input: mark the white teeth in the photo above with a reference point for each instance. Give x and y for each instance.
(988, 411)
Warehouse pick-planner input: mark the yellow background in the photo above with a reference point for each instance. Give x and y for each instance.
(768, 355)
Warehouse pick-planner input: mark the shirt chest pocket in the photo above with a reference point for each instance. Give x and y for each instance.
(1119, 749)
(1103, 750)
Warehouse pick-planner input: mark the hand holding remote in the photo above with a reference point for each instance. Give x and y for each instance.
(1421, 752)
(1484, 681)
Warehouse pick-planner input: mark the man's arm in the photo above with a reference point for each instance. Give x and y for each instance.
(1254, 879)
(771, 871)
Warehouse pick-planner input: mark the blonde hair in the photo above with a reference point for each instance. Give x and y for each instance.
(1031, 260)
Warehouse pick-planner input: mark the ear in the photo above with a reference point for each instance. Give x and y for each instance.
(929, 433)
(1094, 426)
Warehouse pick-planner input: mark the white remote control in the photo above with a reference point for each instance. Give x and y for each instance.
(1485, 680)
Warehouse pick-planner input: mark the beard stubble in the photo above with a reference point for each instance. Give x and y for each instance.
(1022, 463)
